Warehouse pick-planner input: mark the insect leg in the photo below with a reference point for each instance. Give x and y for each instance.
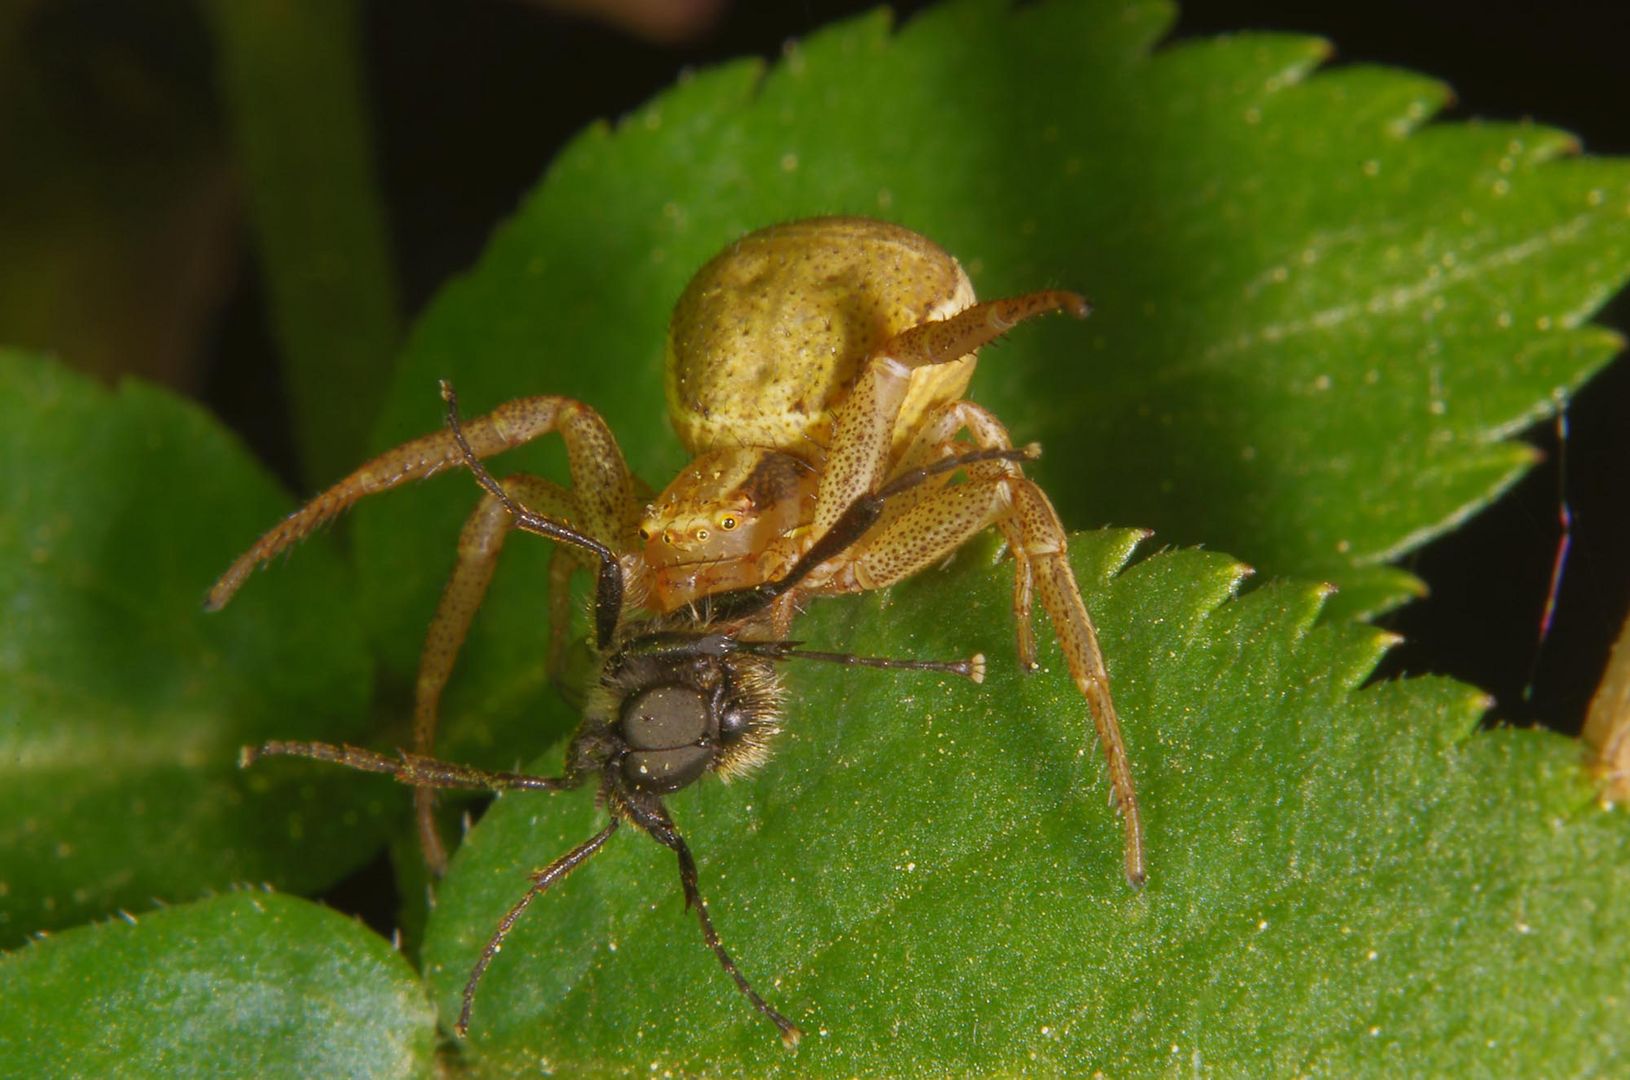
(541, 881)
(649, 815)
(414, 769)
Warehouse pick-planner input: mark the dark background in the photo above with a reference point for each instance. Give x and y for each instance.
(115, 84)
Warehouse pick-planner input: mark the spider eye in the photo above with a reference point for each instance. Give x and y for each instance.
(701, 536)
(645, 534)
(727, 523)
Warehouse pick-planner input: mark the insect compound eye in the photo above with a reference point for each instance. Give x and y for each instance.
(671, 734)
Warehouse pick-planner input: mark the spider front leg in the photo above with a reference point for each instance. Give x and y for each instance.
(479, 546)
(604, 486)
(597, 516)
(864, 425)
(935, 440)
(942, 522)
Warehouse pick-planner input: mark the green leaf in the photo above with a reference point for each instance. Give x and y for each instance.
(926, 878)
(245, 985)
(122, 705)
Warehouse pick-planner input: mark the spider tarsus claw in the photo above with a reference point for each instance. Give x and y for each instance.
(446, 389)
(976, 668)
(790, 1034)
(247, 756)
(1079, 306)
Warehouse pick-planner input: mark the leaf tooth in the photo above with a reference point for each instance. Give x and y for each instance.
(1295, 605)
(1197, 583)
(1257, 64)
(1355, 651)
(1376, 100)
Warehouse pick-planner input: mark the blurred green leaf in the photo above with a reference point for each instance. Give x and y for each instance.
(119, 210)
(292, 73)
(927, 880)
(122, 705)
(251, 984)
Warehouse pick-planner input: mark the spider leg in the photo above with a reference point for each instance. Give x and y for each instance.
(939, 525)
(1607, 723)
(854, 523)
(605, 490)
(863, 426)
(479, 546)
(935, 439)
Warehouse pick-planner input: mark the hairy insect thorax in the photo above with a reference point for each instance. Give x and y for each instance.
(673, 706)
(769, 336)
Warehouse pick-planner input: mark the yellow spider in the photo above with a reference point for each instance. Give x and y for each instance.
(809, 364)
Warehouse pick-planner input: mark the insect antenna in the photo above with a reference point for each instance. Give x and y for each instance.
(972, 668)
